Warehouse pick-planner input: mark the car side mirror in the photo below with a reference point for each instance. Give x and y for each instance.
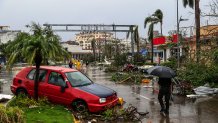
(63, 87)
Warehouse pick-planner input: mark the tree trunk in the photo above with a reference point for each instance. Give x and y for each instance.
(197, 22)
(38, 60)
(161, 29)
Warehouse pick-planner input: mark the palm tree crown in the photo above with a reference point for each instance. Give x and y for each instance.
(152, 20)
(190, 3)
(159, 15)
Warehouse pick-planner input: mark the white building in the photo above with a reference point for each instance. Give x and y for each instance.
(76, 50)
(84, 38)
(6, 34)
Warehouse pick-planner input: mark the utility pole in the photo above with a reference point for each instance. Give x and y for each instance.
(178, 35)
(177, 18)
(197, 22)
(132, 42)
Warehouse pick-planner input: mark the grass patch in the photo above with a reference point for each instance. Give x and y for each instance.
(41, 111)
(48, 114)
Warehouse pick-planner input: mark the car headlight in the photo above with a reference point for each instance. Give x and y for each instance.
(102, 100)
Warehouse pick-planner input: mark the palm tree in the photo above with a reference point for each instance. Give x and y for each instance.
(152, 21)
(195, 3)
(36, 48)
(159, 15)
(135, 36)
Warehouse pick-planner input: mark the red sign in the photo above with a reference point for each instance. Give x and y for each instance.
(159, 40)
(175, 38)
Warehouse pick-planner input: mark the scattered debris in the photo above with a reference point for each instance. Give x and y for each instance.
(203, 90)
(121, 101)
(122, 77)
(3, 81)
(195, 96)
(147, 86)
(5, 97)
(33, 106)
(125, 80)
(116, 114)
(146, 80)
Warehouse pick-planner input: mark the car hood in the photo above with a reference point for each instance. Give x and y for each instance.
(98, 90)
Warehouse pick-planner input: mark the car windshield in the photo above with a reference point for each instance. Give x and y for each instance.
(78, 79)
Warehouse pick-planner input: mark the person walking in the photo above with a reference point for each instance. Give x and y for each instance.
(70, 64)
(164, 91)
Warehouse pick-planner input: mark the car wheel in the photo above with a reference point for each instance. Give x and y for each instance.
(21, 92)
(80, 106)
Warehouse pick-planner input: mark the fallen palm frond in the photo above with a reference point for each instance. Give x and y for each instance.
(131, 78)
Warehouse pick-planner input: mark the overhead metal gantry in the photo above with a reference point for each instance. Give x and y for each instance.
(90, 27)
(93, 28)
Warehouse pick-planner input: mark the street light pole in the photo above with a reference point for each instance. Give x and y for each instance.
(178, 36)
(177, 18)
(178, 40)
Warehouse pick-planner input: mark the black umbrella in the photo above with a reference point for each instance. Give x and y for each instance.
(162, 72)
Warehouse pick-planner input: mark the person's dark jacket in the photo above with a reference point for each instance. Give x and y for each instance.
(165, 83)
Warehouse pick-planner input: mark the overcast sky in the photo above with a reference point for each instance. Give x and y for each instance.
(18, 13)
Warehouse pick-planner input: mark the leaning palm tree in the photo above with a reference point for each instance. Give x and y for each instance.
(152, 21)
(135, 36)
(159, 15)
(192, 4)
(36, 48)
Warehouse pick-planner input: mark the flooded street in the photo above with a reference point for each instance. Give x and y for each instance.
(182, 110)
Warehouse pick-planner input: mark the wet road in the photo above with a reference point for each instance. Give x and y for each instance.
(182, 110)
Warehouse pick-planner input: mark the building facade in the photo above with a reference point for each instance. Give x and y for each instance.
(6, 35)
(76, 50)
(84, 38)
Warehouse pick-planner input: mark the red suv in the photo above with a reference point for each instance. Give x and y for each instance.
(65, 86)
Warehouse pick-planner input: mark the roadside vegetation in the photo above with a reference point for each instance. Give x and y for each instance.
(22, 109)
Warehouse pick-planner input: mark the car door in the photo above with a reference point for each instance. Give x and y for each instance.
(55, 92)
(31, 80)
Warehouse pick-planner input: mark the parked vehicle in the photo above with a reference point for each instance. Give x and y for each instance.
(65, 86)
(144, 68)
(130, 68)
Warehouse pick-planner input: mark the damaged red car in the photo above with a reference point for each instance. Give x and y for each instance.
(65, 86)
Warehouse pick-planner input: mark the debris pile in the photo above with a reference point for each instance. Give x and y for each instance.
(116, 114)
(121, 77)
